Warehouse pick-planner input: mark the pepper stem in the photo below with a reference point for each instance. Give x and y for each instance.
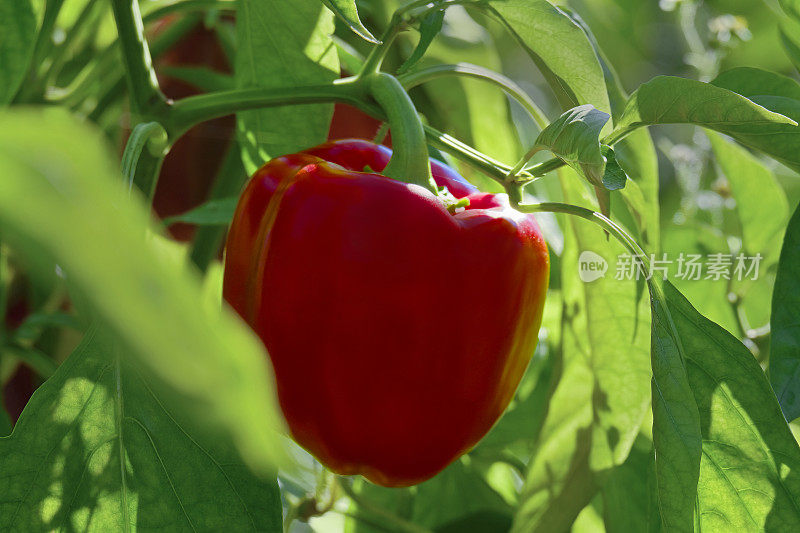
(409, 162)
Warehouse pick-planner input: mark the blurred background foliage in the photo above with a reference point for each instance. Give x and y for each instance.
(698, 213)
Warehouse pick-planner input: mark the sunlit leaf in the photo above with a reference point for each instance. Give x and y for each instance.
(97, 450)
(603, 394)
(750, 466)
(670, 100)
(283, 44)
(558, 46)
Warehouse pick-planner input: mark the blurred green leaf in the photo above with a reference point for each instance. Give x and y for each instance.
(33, 324)
(346, 10)
(599, 403)
(751, 81)
(212, 213)
(96, 450)
(791, 7)
(62, 197)
(784, 359)
(17, 40)
(760, 200)
(558, 46)
(789, 32)
(283, 44)
(750, 465)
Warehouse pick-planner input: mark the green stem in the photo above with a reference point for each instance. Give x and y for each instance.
(655, 283)
(44, 42)
(376, 56)
(418, 77)
(196, 109)
(409, 160)
(61, 54)
(143, 155)
(145, 95)
(462, 151)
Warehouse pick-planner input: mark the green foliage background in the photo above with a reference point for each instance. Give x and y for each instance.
(636, 414)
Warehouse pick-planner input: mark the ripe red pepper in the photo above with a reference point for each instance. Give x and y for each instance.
(398, 330)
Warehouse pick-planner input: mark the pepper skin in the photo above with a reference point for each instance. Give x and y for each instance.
(398, 331)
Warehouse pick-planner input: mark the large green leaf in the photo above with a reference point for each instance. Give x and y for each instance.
(670, 100)
(676, 423)
(283, 44)
(784, 358)
(750, 466)
(603, 393)
(17, 39)
(558, 46)
(62, 198)
(97, 450)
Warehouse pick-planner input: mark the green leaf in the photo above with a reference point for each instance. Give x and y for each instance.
(212, 213)
(283, 44)
(760, 201)
(789, 32)
(750, 81)
(97, 450)
(18, 31)
(670, 100)
(602, 396)
(429, 28)
(62, 198)
(455, 494)
(636, 152)
(791, 7)
(750, 467)
(614, 177)
(346, 10)
(676, 422)
(784, 357)
(629, 495)
(559, 47)
(574, 137)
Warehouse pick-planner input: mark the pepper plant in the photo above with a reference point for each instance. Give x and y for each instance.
(384, 342)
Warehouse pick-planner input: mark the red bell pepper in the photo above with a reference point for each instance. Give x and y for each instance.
(398, 330)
